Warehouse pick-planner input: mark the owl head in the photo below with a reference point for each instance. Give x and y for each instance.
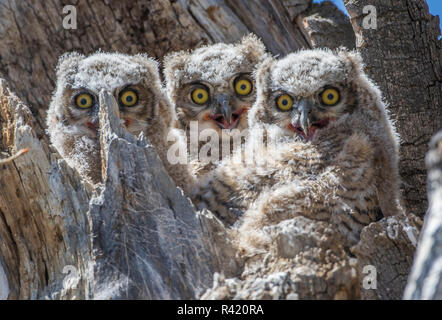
(214, 84)
(312, 89)
(133, 80)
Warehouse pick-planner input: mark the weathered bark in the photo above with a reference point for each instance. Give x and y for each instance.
(425, 281)
(43, 210)
(307, 260)
(146, 238)
(329, 27)
(404, 57)
(387, 245)
(135, 237)
(219, 243)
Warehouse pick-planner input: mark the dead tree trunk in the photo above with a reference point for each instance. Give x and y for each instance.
(137, 237)
(425, 281)
(60, 239)
(43, 206)
(403, 55)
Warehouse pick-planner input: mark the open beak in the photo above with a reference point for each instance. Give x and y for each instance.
(222, 113)
(222, 106)
(305, 123)
(302, 121)
(304, 116)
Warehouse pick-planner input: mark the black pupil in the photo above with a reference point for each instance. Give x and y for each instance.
(129, 98)
(330, 96)
(285, 102)
(243, 87)
(200, 95)
(83, 101)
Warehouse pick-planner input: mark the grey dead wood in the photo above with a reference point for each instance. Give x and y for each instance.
(44, 218)
(328, 27)
(307, 261)
(272, 21)
(134, 237)
(425, 281)
(146, 236)
(385, 254)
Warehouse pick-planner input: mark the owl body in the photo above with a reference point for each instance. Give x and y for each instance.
(73, 113)
(330, 151)
(213, 87)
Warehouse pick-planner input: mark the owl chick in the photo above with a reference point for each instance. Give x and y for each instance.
(73, 113)
(214, 87)
(331, 150)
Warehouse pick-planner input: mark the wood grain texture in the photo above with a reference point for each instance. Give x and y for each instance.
(146, 237)
(389, 246)
(135, 237)
(329, 27)
(404, 57)
(43, 207)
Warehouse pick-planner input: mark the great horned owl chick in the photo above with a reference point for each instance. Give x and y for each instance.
(214, 86)
(334, 154)
(73, 113)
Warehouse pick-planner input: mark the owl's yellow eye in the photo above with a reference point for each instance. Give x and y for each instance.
(330, 97)
(128, 98)
(84, 101)
(243, 87)
(284, 102)
(200, 95)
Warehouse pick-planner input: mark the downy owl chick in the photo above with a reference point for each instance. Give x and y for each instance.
(333, 154)
(73, 113)
(214, 87)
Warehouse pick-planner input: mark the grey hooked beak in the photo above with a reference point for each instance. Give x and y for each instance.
(222, 106)
(303, 119)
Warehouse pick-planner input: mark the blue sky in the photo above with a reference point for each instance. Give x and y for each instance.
(435, 7)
